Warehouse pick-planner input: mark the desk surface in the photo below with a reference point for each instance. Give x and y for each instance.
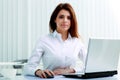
(116, 77)
(10, 63)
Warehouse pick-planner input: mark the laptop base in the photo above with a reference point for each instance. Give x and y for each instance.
(93, 75)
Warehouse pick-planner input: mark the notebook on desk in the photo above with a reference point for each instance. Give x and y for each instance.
(102, 59)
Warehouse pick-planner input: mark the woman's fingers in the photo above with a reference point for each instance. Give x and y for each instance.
(42, 73)
(49, 72)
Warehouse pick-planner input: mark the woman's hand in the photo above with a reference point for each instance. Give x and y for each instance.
(41, 73)
(60, 71)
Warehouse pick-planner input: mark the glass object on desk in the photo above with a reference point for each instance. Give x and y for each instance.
(19, 67)
(7, 71)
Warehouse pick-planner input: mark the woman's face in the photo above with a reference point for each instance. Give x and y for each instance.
(63, 21)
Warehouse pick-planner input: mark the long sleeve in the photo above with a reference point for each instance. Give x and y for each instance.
(80, 66)
(34, 60)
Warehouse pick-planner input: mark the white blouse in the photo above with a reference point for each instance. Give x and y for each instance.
(56, 53)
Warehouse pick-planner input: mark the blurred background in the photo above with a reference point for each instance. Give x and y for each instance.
(22, 22)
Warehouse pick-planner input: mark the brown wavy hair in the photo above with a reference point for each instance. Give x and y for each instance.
(74, 26)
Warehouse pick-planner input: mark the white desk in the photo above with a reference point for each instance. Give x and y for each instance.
(116, 77)
(10, 63)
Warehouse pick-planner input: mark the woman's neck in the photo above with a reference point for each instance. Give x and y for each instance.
(64, 35)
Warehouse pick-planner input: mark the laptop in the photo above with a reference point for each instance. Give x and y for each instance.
(102, 59)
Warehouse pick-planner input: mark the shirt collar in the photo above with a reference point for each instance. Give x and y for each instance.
(56, 34)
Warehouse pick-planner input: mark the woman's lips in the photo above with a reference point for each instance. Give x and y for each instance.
(64, 25)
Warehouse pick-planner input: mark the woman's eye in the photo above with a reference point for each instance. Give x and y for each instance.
(69, 17)
(61, 16)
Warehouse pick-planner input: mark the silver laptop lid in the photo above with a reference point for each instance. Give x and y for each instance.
(103, 55)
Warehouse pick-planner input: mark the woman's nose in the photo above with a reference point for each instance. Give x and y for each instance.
(65, 19)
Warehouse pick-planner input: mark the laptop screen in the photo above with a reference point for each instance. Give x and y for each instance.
(103, 55)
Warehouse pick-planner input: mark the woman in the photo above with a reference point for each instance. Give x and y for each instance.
(60, 49)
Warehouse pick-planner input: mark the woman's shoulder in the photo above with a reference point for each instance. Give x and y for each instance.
(79, 41)
(42, 37)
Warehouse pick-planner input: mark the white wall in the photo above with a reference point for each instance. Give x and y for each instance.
(13, 29)
(22, 22)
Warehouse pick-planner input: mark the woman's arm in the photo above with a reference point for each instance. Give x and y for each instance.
(60, 71)
(82, 57)
(34, 60)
